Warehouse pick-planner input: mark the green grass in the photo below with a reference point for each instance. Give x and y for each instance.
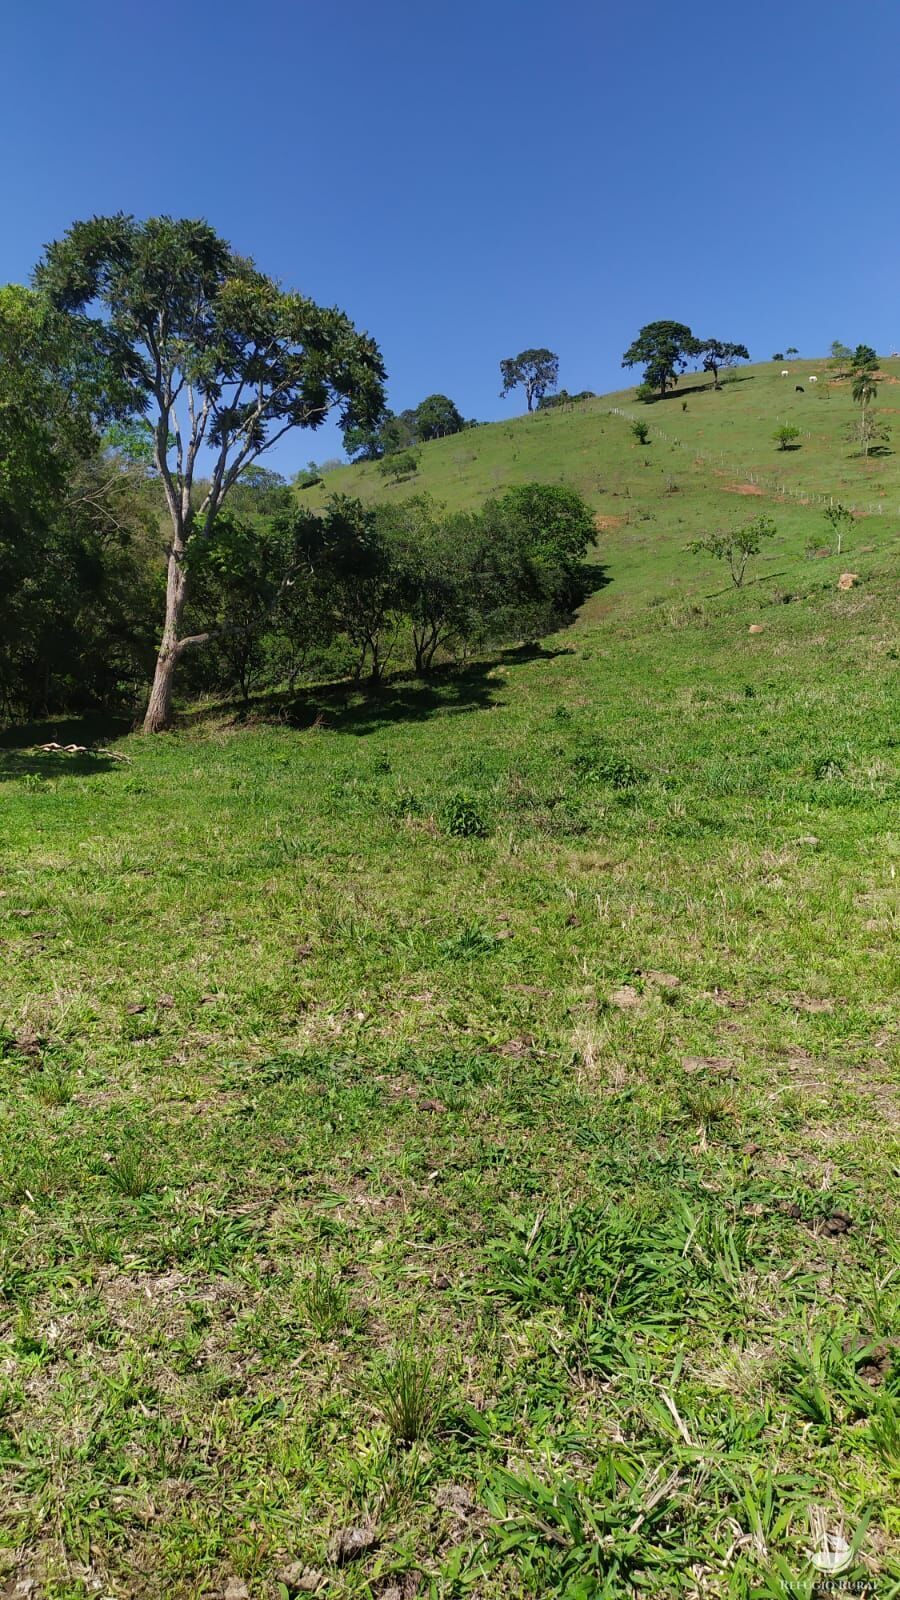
(467, 1116)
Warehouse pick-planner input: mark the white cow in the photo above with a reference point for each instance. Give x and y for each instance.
(813, 379)
(785, 373)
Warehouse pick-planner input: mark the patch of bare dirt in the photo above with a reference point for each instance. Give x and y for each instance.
(743, 488)
(604, 520)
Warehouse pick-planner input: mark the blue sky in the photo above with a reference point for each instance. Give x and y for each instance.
(467, 179)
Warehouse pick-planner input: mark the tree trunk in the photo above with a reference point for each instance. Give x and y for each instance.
(159, 707)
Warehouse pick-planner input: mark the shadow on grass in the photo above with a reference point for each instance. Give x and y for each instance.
(364, 707)
(20, 759)
(350, 707)
(701, 388)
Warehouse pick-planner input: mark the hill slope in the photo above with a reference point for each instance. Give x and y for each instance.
(716, 465)
(535, 1022)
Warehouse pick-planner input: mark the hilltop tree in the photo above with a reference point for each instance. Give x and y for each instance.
(664, 349)
(864, 359)
(220, 356)
(792, 351)
(841, 356)
(535, 371)
(436, 417)
(715, 353)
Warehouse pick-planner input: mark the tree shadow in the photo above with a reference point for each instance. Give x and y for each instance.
(708, 386)
(20, 756)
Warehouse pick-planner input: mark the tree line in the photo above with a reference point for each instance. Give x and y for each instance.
(141, 379)
(287, 592)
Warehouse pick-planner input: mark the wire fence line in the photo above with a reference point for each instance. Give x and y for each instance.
(763, 480)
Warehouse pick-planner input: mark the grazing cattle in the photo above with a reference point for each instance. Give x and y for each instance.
(785, 373)
(798, 388)
(813, 379)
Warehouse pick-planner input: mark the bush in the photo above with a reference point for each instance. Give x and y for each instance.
(641, 432)
(599, 766)
(646, 393)
(462, 818)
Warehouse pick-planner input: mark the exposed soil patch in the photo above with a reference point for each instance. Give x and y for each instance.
(603, 521)
(743, 488)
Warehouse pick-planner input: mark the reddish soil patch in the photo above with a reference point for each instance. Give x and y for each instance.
(602, 521)
(743, 488)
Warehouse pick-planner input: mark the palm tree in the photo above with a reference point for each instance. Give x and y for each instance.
(865, 387)
(864, 391)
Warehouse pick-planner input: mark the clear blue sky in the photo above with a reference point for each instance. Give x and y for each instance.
(470, 178)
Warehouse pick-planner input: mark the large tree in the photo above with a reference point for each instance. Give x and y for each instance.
(223, 360)
(535, 371)
(717, 353)
(663, 349)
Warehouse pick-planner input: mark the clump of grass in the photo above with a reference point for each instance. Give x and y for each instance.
(55, 1087)
(470, 941)
(707, 1103)
(132, 1171)
(410, 1396)
(325, 1301)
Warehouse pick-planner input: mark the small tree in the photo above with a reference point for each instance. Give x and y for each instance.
(840, 521)
(870, 434)
(535, 371)
(792, 351)
(348, 559)
(786, 435)
(736, 546)
(400, 464)
(641, 432)
(841, 356)
(778, 356)
(436, 581)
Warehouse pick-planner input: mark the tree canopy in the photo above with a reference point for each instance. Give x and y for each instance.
(717, 353)
(663, 349)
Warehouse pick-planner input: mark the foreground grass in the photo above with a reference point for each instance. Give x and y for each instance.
(449, 1142)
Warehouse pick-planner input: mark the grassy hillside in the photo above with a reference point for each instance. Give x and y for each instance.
(467, 1114)
(717, 465)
